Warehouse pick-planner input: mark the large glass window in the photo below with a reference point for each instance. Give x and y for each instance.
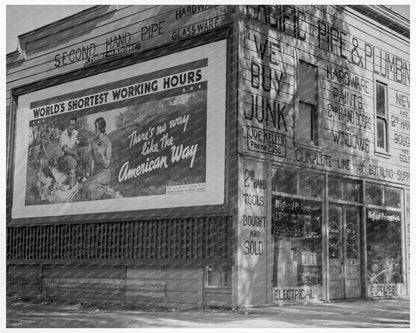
(296, 228)
(393, 197)
(384, 246)
(307, 119)
(285, 181)
(374, 194)
(384, 234)
(345, 189)
(290, 181)
(380, 195)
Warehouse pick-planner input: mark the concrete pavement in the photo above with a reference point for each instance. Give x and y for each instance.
(383, 313)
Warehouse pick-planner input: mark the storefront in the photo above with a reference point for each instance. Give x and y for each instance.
(210, 155)
(326, 110)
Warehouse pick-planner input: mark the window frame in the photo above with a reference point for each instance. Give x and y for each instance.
(314, 139)
(298, 194)
(384, 118)
(384, 188)
(344, 180)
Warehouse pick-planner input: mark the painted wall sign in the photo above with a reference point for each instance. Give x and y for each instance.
(252, 229)
(116, 45)
(264, 141)
(80, 53)
(147, 29)
(348, 62)
(253, 218)
(299, 23)
(160, 126)
(382, 290)
(294, 294)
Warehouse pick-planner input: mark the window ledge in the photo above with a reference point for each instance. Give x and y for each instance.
(383, 154)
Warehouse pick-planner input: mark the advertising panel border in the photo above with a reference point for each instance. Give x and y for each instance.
(205, 85)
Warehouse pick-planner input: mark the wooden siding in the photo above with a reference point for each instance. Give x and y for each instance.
(163, 286)
(359, 51)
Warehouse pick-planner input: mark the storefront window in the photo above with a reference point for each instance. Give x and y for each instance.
(384, 246)
(310, 185)
(352, 190)
(344, 189)
(393, 197)
(285, 181)
(307, 184)
(374, 194)
(335, 188)
(296, 226)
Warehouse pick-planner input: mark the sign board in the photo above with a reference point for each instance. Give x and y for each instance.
(253, 203)
(276, 39)
(162, 144)
(296, 218)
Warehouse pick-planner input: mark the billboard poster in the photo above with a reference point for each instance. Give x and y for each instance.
(146, 136)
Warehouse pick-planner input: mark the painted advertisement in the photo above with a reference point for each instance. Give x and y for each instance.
(310, 92)
(253, 226)
(151, 136)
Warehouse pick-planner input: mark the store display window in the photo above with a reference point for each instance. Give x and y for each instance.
(344, 189)
(384, 235)
(296, 228)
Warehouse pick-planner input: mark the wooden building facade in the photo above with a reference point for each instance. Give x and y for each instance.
(210, 155)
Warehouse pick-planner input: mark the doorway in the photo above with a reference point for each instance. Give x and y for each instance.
(344, 251)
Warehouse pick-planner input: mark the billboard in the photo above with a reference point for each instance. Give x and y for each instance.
(146, 136)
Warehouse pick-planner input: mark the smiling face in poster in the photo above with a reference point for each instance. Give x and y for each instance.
(145, 141)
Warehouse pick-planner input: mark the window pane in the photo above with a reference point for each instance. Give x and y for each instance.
(374, 194)
(307, 83)
(381, 100)
(393, 197)
(304, 124)
(310, 184)
(352, 190)
(381, 133)
(218, 276)
(284, 180)
(335, 188)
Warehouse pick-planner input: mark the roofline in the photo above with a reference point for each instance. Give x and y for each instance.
(380, 13)
(58, 22)
(385, 16)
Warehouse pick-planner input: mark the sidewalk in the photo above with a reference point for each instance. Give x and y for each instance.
(386, 313)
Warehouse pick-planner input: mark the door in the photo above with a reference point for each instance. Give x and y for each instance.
(344, 252)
